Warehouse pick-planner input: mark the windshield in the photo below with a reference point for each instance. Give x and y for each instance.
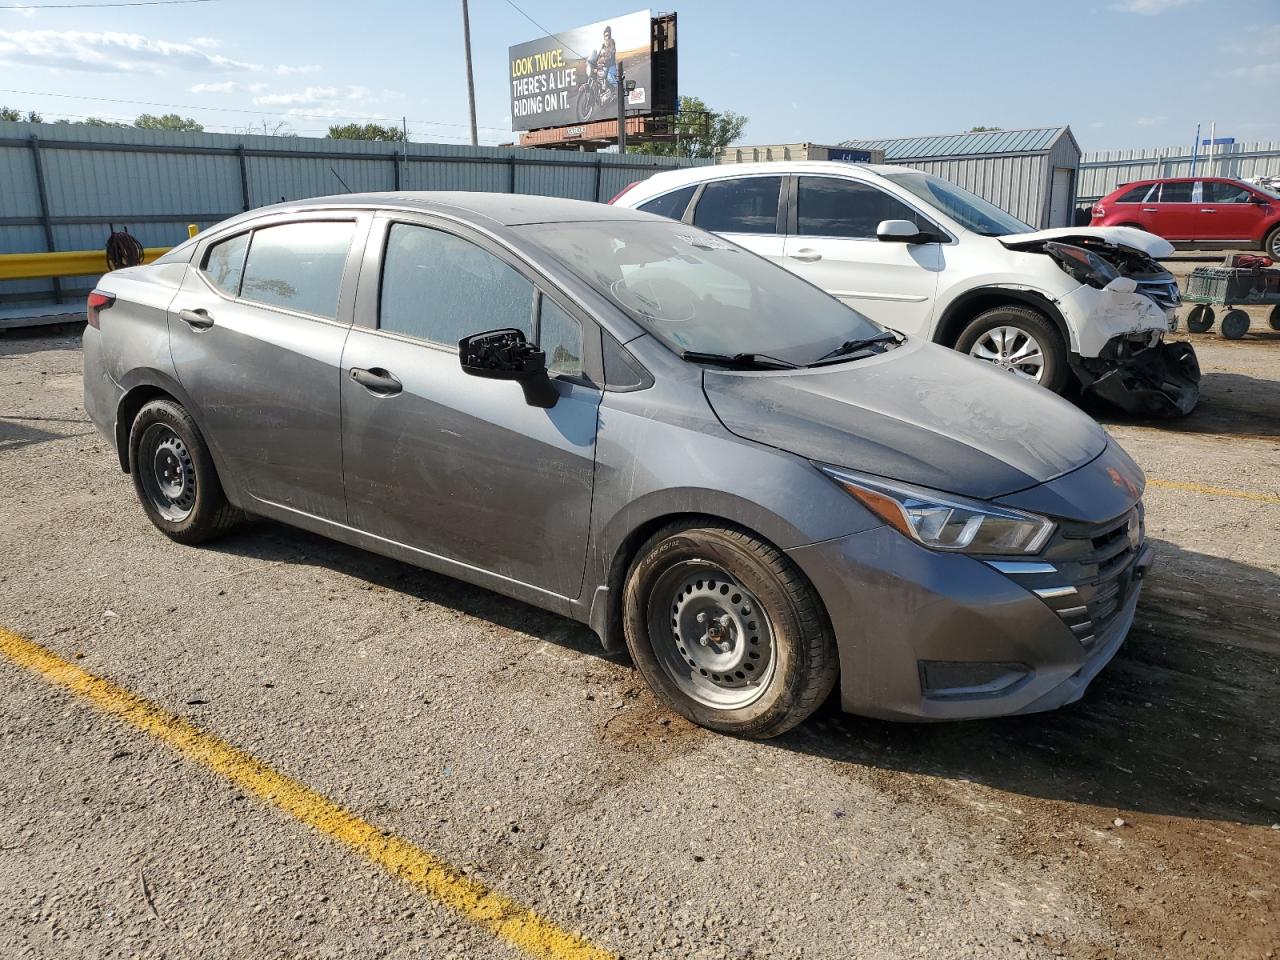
(967, 209)
(696, 292)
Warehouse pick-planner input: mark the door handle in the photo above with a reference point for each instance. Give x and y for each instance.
(1150, 210)
(197, 319)
(806, 255)
(377, 381)
(1209, 210)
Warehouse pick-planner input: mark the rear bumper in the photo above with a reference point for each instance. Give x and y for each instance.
(904, 615)
(102, 395)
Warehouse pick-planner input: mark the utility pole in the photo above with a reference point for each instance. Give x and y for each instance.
(471, 82)
(622, 111)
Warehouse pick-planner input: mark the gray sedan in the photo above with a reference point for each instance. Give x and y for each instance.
(755, 489)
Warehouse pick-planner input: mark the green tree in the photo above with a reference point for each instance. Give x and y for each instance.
(9, 113)
(169, 121)
(365, 131)
(100, 122)
(700, 132)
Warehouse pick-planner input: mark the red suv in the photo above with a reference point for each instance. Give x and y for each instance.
(1204, 211)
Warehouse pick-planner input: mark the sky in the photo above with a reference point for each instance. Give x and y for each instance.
(1122, 73)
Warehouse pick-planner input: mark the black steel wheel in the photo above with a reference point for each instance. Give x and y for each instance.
(174, 476)
(727, 631)
(1234, 325)
(1200, 318)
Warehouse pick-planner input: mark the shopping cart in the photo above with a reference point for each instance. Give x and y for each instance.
(1231, 287)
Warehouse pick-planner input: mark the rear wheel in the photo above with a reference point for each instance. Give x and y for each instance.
(1019, 340)
(1200, 318)
(727, 630)
(174, 477)
(1273, 317)
(1234, 325)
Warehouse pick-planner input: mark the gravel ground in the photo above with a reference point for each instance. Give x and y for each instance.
(1143, 821)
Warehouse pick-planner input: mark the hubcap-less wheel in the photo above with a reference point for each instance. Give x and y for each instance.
(1012, 349)
(168, 473)
(711, 636)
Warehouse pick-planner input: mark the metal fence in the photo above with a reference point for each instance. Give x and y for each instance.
(63, 186)
(1103, 171)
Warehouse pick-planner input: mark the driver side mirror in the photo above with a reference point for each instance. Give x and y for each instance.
(903, 231)
(507, 355)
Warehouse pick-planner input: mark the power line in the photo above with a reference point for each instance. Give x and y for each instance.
(91, 6)
(545, 30)
(264, 113)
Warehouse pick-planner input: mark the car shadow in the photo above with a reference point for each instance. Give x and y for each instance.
(1231, 404)
(274, 542)
(1182, 723)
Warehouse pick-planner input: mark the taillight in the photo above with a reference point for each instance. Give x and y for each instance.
(1098, 210)
(98, 301)
(621, 193)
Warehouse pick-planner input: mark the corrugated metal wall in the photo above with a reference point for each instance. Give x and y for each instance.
(1015, 184)
(156, 182)
(1103, 171)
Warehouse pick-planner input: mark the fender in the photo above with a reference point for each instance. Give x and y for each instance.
(143, 380)
(959, 310)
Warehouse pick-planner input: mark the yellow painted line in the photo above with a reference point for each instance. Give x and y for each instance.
(426, 873)
(1214, 491)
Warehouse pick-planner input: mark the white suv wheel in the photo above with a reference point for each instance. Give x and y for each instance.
(1012, 349)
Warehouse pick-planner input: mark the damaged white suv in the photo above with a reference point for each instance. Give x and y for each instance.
(1086, 305)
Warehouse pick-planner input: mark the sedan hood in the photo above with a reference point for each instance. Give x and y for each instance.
(1148, 243)
(919, 414)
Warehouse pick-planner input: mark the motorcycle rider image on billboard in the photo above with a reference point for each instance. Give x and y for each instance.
(572, 77)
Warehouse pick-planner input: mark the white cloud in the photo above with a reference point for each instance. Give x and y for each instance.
(309, 95)
(1150, 8)
(284, 70)
(1153, 121)
(107, 52)
(208, 43)
(226, 86)
(258, 87)
(1258, 71)
(24, 11)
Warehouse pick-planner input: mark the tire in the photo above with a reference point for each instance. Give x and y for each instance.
(174, 477)
(586, 105)
(1271, 246)
(1234, 325)
(1007, 330)
(764, 670)
(1273, 318)
(1200, 318)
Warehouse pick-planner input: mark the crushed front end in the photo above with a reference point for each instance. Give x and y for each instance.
(1144, 375)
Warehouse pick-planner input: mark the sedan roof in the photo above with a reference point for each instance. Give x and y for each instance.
(507, 209)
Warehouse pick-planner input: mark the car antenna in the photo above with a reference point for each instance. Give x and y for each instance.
(340, 180)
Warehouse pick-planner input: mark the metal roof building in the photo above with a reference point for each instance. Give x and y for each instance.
(1030, 173)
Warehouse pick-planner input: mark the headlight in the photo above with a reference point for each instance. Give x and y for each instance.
(1082, 264)
(941, 521)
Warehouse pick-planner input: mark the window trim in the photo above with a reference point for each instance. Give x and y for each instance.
(695, 189)
(1145, 198)
(793, 219)
(780, 219)
(360, 221)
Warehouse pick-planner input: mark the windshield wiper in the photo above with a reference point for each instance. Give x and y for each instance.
(853, 346)
(759, 361)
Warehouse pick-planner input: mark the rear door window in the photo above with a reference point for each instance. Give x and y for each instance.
(298, 266)
(745, 205)
(224, 264)
(831, 207)
(1176, 192)
(440, 288)
(671, 204)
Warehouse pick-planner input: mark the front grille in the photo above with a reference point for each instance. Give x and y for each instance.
(1163, 292)
(1097, 561)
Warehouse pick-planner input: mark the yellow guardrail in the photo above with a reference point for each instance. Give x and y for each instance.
(70, 263)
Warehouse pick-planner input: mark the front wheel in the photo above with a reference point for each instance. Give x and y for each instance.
(1200, 318)
(1235, 324)
(727, 630)
(1020, 341)
(586, 104)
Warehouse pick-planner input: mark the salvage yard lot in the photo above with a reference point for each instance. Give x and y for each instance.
(1141, 822)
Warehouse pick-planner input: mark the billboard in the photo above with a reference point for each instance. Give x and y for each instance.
(571, 77)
